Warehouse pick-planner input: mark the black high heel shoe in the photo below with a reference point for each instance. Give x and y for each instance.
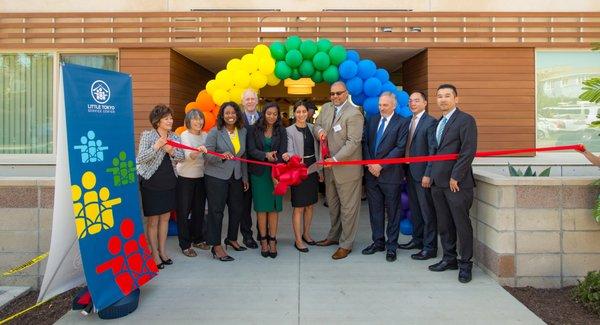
(263, 253)
(311, 243)
(272, 239)
(166, 262)
(237, 249)
(303, 250)
(225, 258)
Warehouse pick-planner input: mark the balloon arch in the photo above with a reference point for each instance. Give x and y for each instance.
(295, 58)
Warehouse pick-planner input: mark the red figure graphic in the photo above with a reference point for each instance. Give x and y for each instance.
(132, 266)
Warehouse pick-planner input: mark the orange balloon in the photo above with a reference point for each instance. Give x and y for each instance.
(180, 130)
(215, 110)
(205, 101)
(209, 121)
(190, 106)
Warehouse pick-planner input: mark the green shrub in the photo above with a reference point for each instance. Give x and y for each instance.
(587, 292)
(528, 172)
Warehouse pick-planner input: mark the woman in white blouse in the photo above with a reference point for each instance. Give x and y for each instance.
(191, 192)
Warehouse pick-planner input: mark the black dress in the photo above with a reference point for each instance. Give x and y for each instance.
(159, 191)
(307, 192)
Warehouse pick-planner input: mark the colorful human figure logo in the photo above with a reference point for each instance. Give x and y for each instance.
(123, 170)
(132, 264)
(91, 149)
(92, 209)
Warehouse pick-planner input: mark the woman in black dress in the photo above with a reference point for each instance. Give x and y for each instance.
(301, 142)
(158, 180)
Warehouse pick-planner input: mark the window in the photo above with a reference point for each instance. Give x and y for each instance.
(562, 118)
(26, 102)
(100, 61)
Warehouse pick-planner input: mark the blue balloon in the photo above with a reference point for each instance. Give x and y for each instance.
(354, 86)
(389, 86)
(372, 87)
(352, 55)
(358, 99)
(403, 111)
(402, 98)
(406, 227)
(382, 75)
(348, 69)
(371, 105)
(366, 69)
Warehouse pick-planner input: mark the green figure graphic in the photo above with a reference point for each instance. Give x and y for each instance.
(123, 170)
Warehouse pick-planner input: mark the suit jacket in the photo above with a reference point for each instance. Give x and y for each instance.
(256, 147)
(296, 142)
(423, 144)
(459, 136)
(392, 145)
(246, 122)
(344, 144)
(219, 141)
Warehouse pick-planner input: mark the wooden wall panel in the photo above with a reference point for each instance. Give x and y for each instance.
(496, 86)
(414, 73)
(186, 79)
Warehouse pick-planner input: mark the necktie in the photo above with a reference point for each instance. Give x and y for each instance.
(379, 134)
(440, 130)
(335, 114)
(411, 133)
(252, 119)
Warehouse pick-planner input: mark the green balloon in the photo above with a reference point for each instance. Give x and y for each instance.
(306, 69)
(321, 61)
(293, 43)
(308, 49)
(282, 70)
(337, 54)
(317, 77)
(293, 58)
(277, 51)
(295, 74)
(331, 75)
(324, 45)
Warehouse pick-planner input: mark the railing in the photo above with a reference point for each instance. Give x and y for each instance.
(358, 29)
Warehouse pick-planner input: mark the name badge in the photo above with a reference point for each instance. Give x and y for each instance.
(337, 128)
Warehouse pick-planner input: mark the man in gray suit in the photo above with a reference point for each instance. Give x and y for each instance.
(452, 183)
(341, 124)
(421, 142)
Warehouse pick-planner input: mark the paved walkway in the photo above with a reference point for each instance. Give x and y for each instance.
(311, 288)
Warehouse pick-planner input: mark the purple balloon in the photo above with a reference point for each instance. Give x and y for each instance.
(372, 87)
(408, 214)
(404, 201)
(354, 86)
(366, 69)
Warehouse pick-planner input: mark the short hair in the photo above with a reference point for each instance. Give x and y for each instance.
(390, 95)
(192, 115)
(420, 93)
(339, 82)
(159, 112)
(448, 86)
(239, 122)
(249, 91)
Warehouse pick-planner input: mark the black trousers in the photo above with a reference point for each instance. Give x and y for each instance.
(423, 215)
(246, 218)
(452, 210)
(220, 193)
(191, 198)
(384, 198)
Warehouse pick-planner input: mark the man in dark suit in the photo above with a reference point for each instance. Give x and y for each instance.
(452, 183)
(384, 137)
(251, 116)
(421, 142)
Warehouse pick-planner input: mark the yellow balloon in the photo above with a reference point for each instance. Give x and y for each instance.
(224, 80)
(266, 65)
(235, 94)
(250, 62)
(234, 64)
(220, 96)
(241, 79)
(258, 80)
(272, 80)
(211, 86)
(261, 51)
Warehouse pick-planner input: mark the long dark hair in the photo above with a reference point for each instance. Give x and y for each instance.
(239, 122)
(261, 124)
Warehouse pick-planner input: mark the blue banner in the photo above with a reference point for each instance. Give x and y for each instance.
(104, 189)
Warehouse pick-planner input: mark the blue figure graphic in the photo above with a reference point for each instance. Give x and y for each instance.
(91, 149)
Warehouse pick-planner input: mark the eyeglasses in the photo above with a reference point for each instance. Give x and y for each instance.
(336, 93)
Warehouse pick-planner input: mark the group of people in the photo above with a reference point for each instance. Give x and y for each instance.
(440, 193)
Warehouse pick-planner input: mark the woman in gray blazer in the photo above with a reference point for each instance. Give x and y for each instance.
(301, 142)
(226, 179)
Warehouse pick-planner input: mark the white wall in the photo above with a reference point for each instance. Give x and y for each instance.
(297, 5)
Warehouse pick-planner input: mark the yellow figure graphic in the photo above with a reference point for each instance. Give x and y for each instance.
(95, 213)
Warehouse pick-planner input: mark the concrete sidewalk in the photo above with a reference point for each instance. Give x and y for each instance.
(311, 288)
